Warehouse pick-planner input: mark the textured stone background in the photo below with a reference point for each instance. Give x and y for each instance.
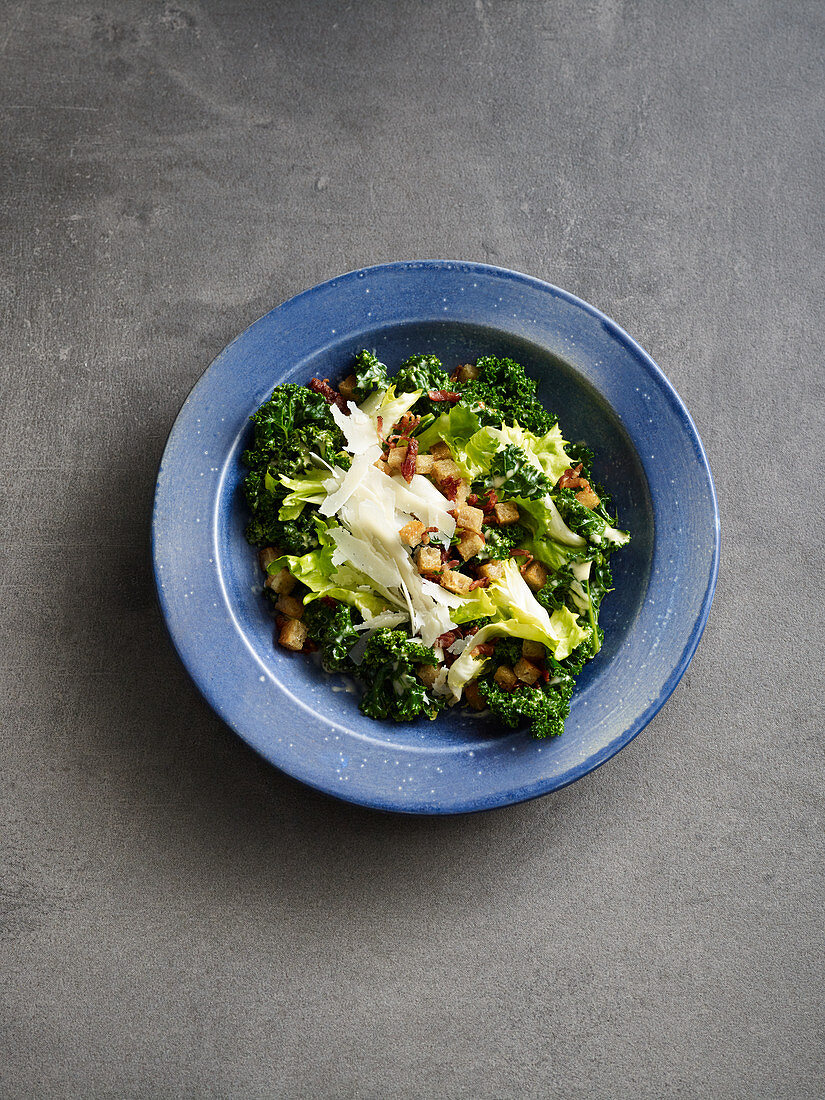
(179, 920)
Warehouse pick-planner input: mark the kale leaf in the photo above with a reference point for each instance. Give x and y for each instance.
(513, 475)
(287, 428)
(329, 624)
(421, 372)
(508, 395)
(545, 709)
(501, 540)
(392, 689)
(370, 374)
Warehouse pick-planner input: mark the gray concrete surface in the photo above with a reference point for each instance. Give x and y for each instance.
(180, 920)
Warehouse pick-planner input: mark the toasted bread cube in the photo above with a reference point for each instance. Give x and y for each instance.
(588, 498)
(533, 651)
(474, 697)
(293, 635)
(469, 544)
(411, 532)
(506, 513)
(440, 450)
(428, 559)
(468, 517)
(467, 372)
(267, 556)
(290, 607)
(445, 467)
(427, 674)
(536, 575)
(395, 459)
(505, 677)
(455, 582)
(347, 387)
(381, 464)
(526, 670)
(424, 464)
(462, 492)
(281, 582)
(491, 570)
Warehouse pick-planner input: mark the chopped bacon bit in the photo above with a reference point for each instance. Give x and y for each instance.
(523, 568)
(331, 396)
(470, 631)
(407, 424)
(281, 621)
(408, 465)
(472, 500)
(482, 582)
(444, 395)
(379, 420)
(572, 479)
(487, 649)
(445, 640)
(546, 676)
(443, 553)
(519, 553)
(449, 487)
(328, 601)
(453, 563)
(431, 530)
(492, 501)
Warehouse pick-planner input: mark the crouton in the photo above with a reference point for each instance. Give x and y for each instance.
(281, 582)
(395, 459)
(426, 674)
(455, 582)
(347, 387)
(526, 670)
(444, 468)
(467, 372)
(474, 697)
(462, 492)
(424, 464)
(533, 651)
(490, 570)
(505, 677)
(267, 556)
(588, 498)
(536, 575)
(506, 513)
(440, 450)
(411, 533)
(290, 607)
(381, 464)
(293, 635)
(428, 559)
(468, 517)
(469, 544)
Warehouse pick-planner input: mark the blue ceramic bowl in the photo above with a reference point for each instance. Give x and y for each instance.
(604, 389)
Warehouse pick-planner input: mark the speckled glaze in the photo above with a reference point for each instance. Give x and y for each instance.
(604, 388)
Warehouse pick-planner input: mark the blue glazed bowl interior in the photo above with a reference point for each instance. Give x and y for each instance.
(583, 415)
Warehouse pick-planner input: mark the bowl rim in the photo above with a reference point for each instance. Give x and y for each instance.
(589, 764)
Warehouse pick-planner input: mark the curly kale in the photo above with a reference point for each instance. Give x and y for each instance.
(585, 521)
(370, 374)
(513, 475)
(508, 394)
(287, 428)
(295, 536)
(421, 372)
(392, 689)
(329, 624)
(501, 540)
(544, 708)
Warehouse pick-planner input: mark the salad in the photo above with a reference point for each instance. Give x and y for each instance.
(433, 536)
